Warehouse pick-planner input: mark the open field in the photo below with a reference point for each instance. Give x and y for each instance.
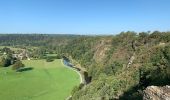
(46, 81)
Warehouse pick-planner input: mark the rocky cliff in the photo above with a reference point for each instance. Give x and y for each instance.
(157, 93)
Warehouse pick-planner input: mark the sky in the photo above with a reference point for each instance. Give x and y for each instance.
(83, 16)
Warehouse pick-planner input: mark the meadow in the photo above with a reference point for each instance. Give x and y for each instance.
(44, 81)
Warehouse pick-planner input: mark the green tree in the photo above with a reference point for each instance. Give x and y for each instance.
(18, 65)
(49, 59)
(5, 62)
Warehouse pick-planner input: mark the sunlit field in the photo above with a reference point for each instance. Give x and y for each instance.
(42, 81)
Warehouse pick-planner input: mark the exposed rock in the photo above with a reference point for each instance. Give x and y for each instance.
(157, 93)
(101, 49)
(132, 58)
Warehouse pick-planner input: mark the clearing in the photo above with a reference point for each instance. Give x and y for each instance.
(45, 81)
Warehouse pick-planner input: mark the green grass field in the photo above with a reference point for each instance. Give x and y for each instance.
(47, 81)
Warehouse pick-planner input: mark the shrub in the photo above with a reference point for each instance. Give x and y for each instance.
(17, 65)
(5, 62)
(49, 59)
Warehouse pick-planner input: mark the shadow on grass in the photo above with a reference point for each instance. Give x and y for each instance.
(25, 69)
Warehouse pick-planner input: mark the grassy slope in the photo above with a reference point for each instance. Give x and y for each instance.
(47, 81)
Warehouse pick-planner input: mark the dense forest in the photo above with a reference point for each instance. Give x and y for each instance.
(120, 66)
(37, 44)
(34, 39)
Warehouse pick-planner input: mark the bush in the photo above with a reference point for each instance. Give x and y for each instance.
(48, 59)
(5, 62)
(18, 65)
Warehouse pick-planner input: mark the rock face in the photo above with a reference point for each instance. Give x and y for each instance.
(157, 93)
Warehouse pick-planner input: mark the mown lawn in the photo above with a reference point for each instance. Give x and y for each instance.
(46, 81)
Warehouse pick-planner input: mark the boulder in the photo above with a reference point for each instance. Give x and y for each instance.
(157, 93)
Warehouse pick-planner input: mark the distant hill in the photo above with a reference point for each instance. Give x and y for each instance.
(34, 39)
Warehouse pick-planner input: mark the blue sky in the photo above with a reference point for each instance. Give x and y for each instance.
(83, 16)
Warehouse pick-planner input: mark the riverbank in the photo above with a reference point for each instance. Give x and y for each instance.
(72, 68)
(78, 72)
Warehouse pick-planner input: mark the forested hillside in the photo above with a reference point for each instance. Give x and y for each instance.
(38, 44)
(120, 66)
